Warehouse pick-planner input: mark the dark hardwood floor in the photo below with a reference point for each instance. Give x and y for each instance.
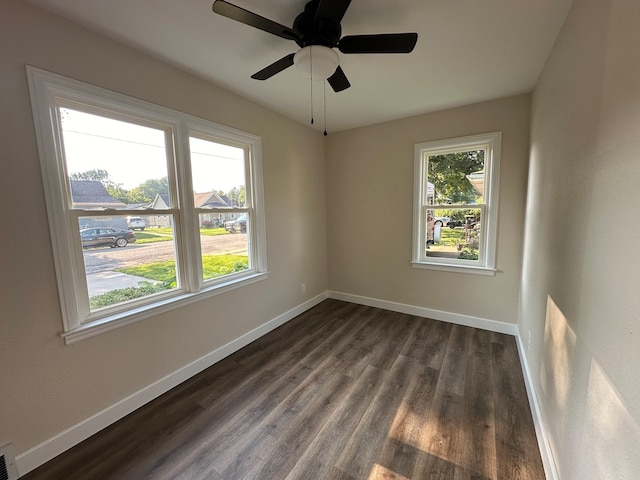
(342, 392)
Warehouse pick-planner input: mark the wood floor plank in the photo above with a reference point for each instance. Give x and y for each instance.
(338, 429)
(358, 456)
(402, 449)
(341, 392)
(479, 411)
(515, 434)
(301, 430)
(429, 343)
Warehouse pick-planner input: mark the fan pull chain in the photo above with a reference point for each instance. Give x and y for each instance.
(311, 88)
(324, 102)
(311, 80)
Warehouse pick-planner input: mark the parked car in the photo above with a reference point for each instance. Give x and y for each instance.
(136, 223)
(113, 237)
(442, 221)
(468, 222)
(237, 225)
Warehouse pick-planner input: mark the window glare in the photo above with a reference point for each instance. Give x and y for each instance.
(216, 167)
(127, 153)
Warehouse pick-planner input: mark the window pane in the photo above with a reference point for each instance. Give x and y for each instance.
(455, 178)
(225, 244)
(453, 233)
(218, 174)
(112, 163)
(122, 264)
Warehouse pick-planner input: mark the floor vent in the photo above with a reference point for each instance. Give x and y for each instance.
(7, 463)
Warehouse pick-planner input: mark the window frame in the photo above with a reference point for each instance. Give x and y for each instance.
(486, 263)
(48, 92)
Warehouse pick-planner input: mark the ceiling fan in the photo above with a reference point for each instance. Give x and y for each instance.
(317, 32)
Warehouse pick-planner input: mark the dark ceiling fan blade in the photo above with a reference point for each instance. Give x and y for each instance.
(332, 10)
(275, 67)
(241, 15)
(381, 43)
(338, 80)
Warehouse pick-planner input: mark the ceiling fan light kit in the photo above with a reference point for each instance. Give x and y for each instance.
(317, 31)
(316, 61)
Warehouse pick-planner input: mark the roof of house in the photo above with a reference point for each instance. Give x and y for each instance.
(208, 200)
(200, 200)
(92, 193)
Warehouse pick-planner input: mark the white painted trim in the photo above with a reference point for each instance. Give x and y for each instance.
(456, 318)
(550, 470)
(491, 143)
(49, 91)
(103, 325)
(50, 448)
(455, 268)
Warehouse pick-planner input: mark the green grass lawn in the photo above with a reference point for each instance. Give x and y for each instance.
(449, 239)
(451, 236)
(217, 265)
(212, 266)
(213, 231)
(165, 272)
(149, 237)
(162, 231)
(166, 234)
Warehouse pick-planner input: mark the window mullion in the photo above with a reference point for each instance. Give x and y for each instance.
(189, 258)
(81, 290)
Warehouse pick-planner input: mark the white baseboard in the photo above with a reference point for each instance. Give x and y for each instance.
(550, 470)
(54, 446)
(456, 318)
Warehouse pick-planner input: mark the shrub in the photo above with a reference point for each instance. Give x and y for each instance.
(468, 254)
(124, 294)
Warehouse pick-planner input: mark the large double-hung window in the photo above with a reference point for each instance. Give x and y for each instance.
(149, 208)
(456, 204)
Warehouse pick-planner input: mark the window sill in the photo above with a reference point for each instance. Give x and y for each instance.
(106, 324)
(469, 269)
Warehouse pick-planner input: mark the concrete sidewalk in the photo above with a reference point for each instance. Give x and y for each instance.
(103, 282)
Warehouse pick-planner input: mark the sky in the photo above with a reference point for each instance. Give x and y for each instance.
(133, 153)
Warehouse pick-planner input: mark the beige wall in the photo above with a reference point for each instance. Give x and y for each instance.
(47, 386)
(579, 299)
(581, 273)
(369, 207)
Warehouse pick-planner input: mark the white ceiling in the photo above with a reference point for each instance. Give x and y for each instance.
(467, 51)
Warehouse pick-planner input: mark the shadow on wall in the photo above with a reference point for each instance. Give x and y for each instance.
(589, 418)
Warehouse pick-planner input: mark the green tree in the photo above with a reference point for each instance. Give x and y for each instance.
(448, 173)
(97, 174)
(146, 191)
(237, 195)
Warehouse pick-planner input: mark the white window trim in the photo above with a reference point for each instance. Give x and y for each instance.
(45, 87)
(486, 264)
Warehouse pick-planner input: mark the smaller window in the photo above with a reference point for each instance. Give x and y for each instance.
(455, 204)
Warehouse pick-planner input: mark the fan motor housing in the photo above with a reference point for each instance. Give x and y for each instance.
(316, 31)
